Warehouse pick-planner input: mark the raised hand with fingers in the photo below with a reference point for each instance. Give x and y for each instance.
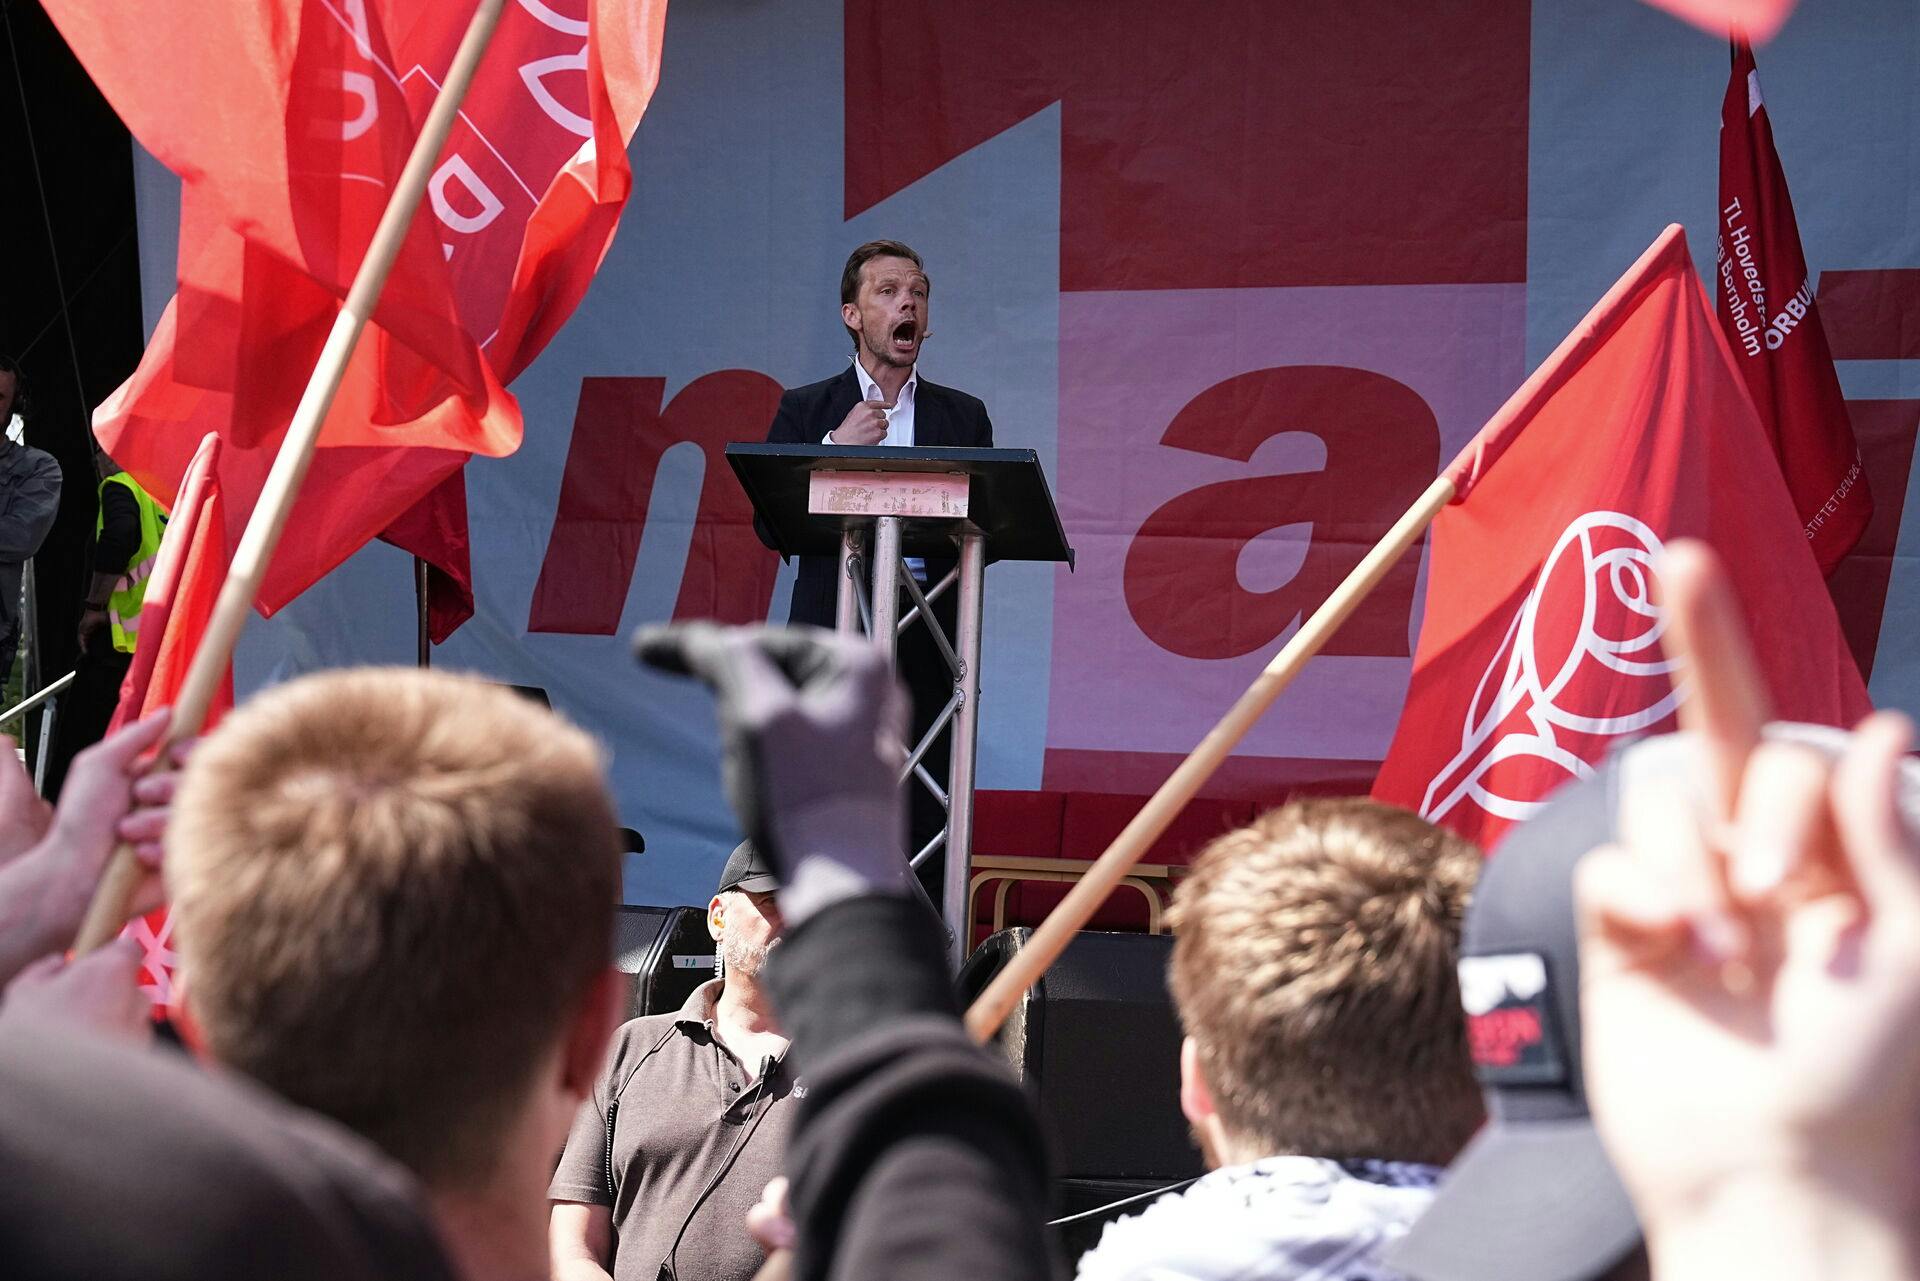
(145, 826)
(810, 727)
(1750, 976)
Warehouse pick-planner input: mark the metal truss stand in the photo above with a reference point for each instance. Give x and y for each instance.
(869, 604)
(872, 507)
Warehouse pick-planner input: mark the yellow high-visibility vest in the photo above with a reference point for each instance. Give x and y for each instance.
(123, 606)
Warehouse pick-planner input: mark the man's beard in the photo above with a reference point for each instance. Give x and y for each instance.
(741, 958)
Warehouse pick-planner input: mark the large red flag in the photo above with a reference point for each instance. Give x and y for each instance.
(1766, 306)
(1540, 648)
(299, 118)
(187, 574)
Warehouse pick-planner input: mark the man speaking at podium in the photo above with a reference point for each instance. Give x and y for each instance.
(882, 400)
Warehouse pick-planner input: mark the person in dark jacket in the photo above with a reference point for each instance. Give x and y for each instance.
(123, 1163)
(880, 399)
(914, 1155)
(29, 498)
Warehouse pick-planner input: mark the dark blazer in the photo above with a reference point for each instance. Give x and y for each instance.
(941, 416)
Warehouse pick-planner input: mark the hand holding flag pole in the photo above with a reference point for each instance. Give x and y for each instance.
(108, 911)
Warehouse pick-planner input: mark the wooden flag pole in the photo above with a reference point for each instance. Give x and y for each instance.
(990, 1009)
(108, 911)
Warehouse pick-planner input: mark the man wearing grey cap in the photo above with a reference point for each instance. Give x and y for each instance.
(689, 1120)
(1533, 1197)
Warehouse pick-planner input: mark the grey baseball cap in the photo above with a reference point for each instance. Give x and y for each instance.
(1533, 1197)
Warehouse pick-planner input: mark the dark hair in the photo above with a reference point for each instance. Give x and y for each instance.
(859, 258)
(8, 365)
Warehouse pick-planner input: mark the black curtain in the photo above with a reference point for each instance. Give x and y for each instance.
(70, 302)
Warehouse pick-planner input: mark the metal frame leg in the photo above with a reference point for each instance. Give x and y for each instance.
(846, 608)
(966, 725)
(45, 747)
(886, 587)
(870, 587)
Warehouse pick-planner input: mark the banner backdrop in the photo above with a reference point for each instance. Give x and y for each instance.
(1244, 275)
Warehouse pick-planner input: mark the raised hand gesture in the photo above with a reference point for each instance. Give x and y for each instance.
(1750, 977)
(810, 730)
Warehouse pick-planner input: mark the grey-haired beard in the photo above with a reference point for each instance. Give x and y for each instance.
(742, 959)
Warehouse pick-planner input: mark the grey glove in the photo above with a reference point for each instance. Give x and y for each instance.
(810, 732)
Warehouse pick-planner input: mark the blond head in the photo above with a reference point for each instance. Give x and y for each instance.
(391, 888)
(1313, 966)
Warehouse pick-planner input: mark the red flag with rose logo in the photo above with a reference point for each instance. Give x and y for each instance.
(298, 119)
(1540, 645)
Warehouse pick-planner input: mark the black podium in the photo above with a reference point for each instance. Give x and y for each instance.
(872, 507)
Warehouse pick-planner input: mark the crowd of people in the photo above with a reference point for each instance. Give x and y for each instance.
(1672, 1027)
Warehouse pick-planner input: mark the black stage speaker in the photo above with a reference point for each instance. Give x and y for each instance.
(1098, 1046)
(666, 953)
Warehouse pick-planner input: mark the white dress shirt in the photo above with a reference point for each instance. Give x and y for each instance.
(899, 429)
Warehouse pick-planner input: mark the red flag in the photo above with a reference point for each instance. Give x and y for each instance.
(187, 574)
(435, 530)
(1766, 306)
(302, 115)
(1540, 649)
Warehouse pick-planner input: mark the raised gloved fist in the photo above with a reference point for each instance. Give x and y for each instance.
(811, 725)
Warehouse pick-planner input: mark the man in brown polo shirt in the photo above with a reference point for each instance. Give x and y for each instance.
(694, 1106)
